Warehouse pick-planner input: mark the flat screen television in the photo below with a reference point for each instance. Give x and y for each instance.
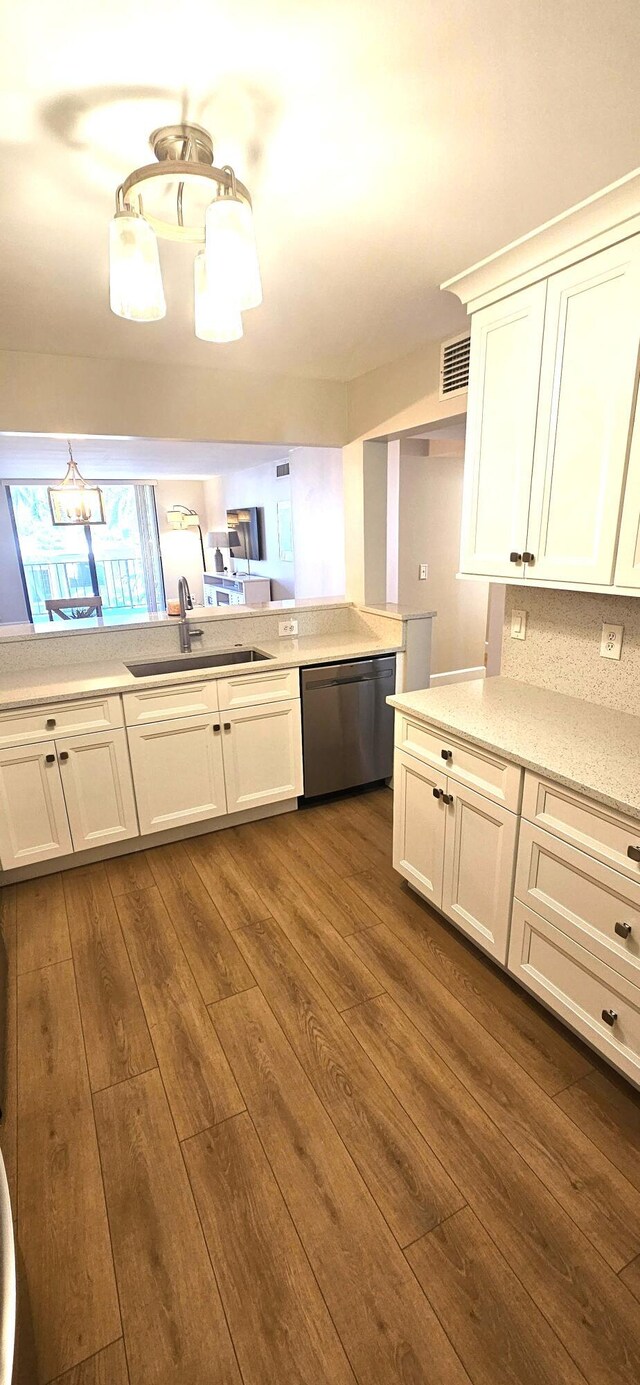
(247, 523)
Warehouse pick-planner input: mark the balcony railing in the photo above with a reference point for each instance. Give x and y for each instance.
(120, 581)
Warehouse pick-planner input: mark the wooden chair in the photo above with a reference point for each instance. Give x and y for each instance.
(74, 607)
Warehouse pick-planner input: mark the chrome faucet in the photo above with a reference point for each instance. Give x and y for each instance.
(187, 631)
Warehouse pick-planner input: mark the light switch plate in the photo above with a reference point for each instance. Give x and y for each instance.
(611, 642)
(423, 572)
(287, 627)
(518, 625)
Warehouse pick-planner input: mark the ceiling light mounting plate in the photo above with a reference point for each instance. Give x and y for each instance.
(182, 142)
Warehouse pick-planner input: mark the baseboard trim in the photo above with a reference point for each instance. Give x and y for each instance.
(457, 675)
(144, 843)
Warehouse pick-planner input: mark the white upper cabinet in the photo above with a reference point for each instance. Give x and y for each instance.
(506, 348)
(587, 381)
(628, 564)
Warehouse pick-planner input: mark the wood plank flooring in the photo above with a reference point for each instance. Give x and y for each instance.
(269, 1118)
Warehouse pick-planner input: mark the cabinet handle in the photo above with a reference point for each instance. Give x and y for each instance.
(515, 557)
(633, 852)
(227, 725)
(216, 726)
(438, 793)
(64, 755)
(50, 759)
(609, 1016)
(528, 557)
(447, 798)
(50, 723)
(623, 930)
(447, 754)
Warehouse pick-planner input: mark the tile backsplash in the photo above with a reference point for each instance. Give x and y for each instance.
(562, 645)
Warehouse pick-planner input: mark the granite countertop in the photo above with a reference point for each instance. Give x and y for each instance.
(582, 744)
(66, 682)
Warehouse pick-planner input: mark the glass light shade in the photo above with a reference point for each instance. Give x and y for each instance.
(136, 290)
(216, 313)
(230, 248)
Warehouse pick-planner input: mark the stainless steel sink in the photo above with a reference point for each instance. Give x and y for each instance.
(185, 662)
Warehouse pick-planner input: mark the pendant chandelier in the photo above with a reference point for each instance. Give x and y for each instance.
(73, 501)
(185, 199)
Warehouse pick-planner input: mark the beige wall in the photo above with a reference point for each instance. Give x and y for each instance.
(318, 521)
(259, 485)
(180, 548)
(13, 607)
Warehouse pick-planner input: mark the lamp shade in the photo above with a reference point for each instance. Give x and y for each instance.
(217, 315)
(234, 539)
(218, 538)
(230, 250)
(180, 517)
(135, 280)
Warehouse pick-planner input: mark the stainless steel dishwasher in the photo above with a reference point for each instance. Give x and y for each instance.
(347, 727)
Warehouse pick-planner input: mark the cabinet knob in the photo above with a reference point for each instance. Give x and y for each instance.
(50, 723)
(609, 1016)
(227, 725)
(438, 793)
(447, 754)
(623, 930)
(633, 852)
(50, 759)
(528, 557)
(447, 798)
(64, 755)
(515, 557)
(216, 726)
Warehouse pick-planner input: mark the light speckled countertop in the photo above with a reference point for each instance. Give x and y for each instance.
(581, 744)
(62, 684)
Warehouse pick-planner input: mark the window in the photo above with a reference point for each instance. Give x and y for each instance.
(118, 561)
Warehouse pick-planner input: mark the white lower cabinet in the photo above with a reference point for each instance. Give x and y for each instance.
(177, 771)
(98, 789)
(33, 817)
(262, 753)
(457, 848)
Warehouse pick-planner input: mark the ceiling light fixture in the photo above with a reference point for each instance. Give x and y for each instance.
(212, 208)
(73, 501)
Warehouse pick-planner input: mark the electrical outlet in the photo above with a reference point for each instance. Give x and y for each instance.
(423, 572)
(518, 625)
(611, 642)
(287, 627)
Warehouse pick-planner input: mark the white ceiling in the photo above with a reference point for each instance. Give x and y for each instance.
(36, 456)
(387, 143)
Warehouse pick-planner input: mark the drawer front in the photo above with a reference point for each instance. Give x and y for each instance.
(30, 724)
(165, 703)
(591, 826)
(581, 896)
(252, 689)
(479, 769)
(578, 987)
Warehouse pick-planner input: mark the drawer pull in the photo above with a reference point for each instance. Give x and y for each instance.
(438, 793)
(50, 723)
(515, 557)
(623, 930)
(447, 754)
(609, 1016)
(50, 759)
(528, 557)
(633, 852)
(447, 798)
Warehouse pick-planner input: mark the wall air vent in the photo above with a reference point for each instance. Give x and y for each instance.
(454, 365)
(282, 469)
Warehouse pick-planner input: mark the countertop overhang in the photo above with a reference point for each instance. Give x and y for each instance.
(583, 745)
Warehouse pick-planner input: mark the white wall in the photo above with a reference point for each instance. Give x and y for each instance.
(429, 504)
(259, 485)
(318, 521)
(180, 548)
(12, 603)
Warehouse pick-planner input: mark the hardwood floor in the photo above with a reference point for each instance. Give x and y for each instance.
(268, 1118)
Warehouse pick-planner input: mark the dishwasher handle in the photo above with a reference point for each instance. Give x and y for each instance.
(340, 682)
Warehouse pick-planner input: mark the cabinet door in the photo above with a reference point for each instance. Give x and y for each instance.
(479, 861)
(628, 561)
(587, 382)
(506, 348)
(177, 772)
(419, 825)
(262, 754)
(33, 817)
(98, 789)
